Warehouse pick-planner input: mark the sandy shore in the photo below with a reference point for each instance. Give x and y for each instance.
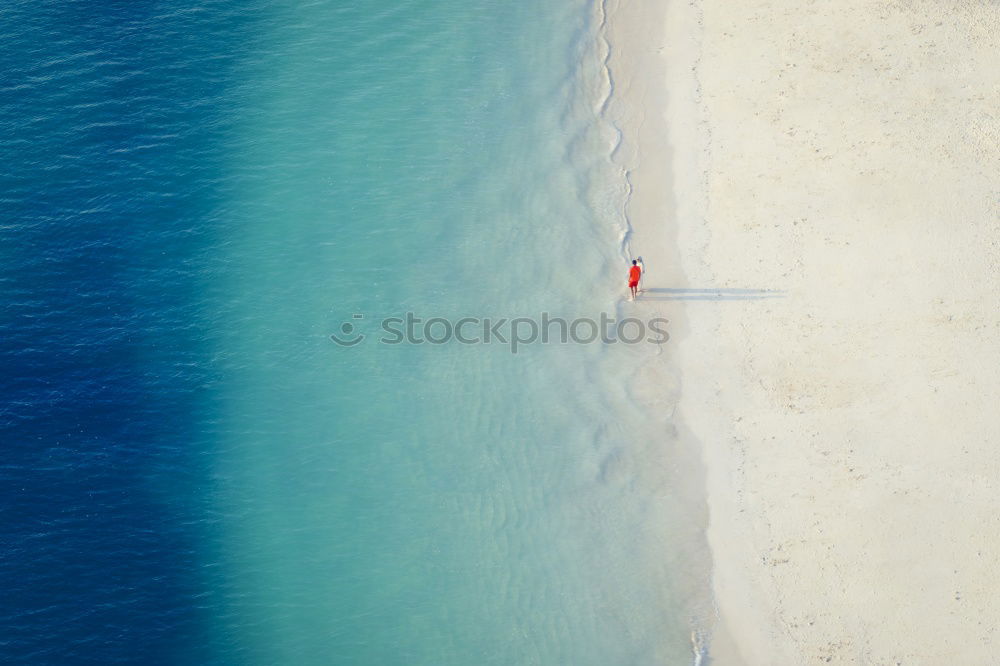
(847, 155)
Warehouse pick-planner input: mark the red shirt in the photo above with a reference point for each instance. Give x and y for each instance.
(634, 273)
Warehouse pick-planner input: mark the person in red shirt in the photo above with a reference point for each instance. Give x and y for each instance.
(634, 273)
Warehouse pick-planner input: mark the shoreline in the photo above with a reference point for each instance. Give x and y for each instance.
(847, 157)
(654, 104)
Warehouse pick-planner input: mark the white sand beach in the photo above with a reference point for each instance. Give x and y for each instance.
(846, 155)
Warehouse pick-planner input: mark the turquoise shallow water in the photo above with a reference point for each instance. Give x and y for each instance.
(222, 187)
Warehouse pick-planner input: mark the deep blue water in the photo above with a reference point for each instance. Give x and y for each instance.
(111, 122)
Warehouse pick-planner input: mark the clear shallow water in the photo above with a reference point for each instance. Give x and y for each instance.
(197, 197)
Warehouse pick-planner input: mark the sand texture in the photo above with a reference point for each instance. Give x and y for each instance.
(846, 158)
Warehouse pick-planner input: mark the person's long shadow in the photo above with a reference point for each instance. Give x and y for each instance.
(668, 294)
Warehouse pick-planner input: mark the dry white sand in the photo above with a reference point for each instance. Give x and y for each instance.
(848, 154)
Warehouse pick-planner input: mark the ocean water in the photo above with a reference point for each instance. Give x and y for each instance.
(196, 197)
